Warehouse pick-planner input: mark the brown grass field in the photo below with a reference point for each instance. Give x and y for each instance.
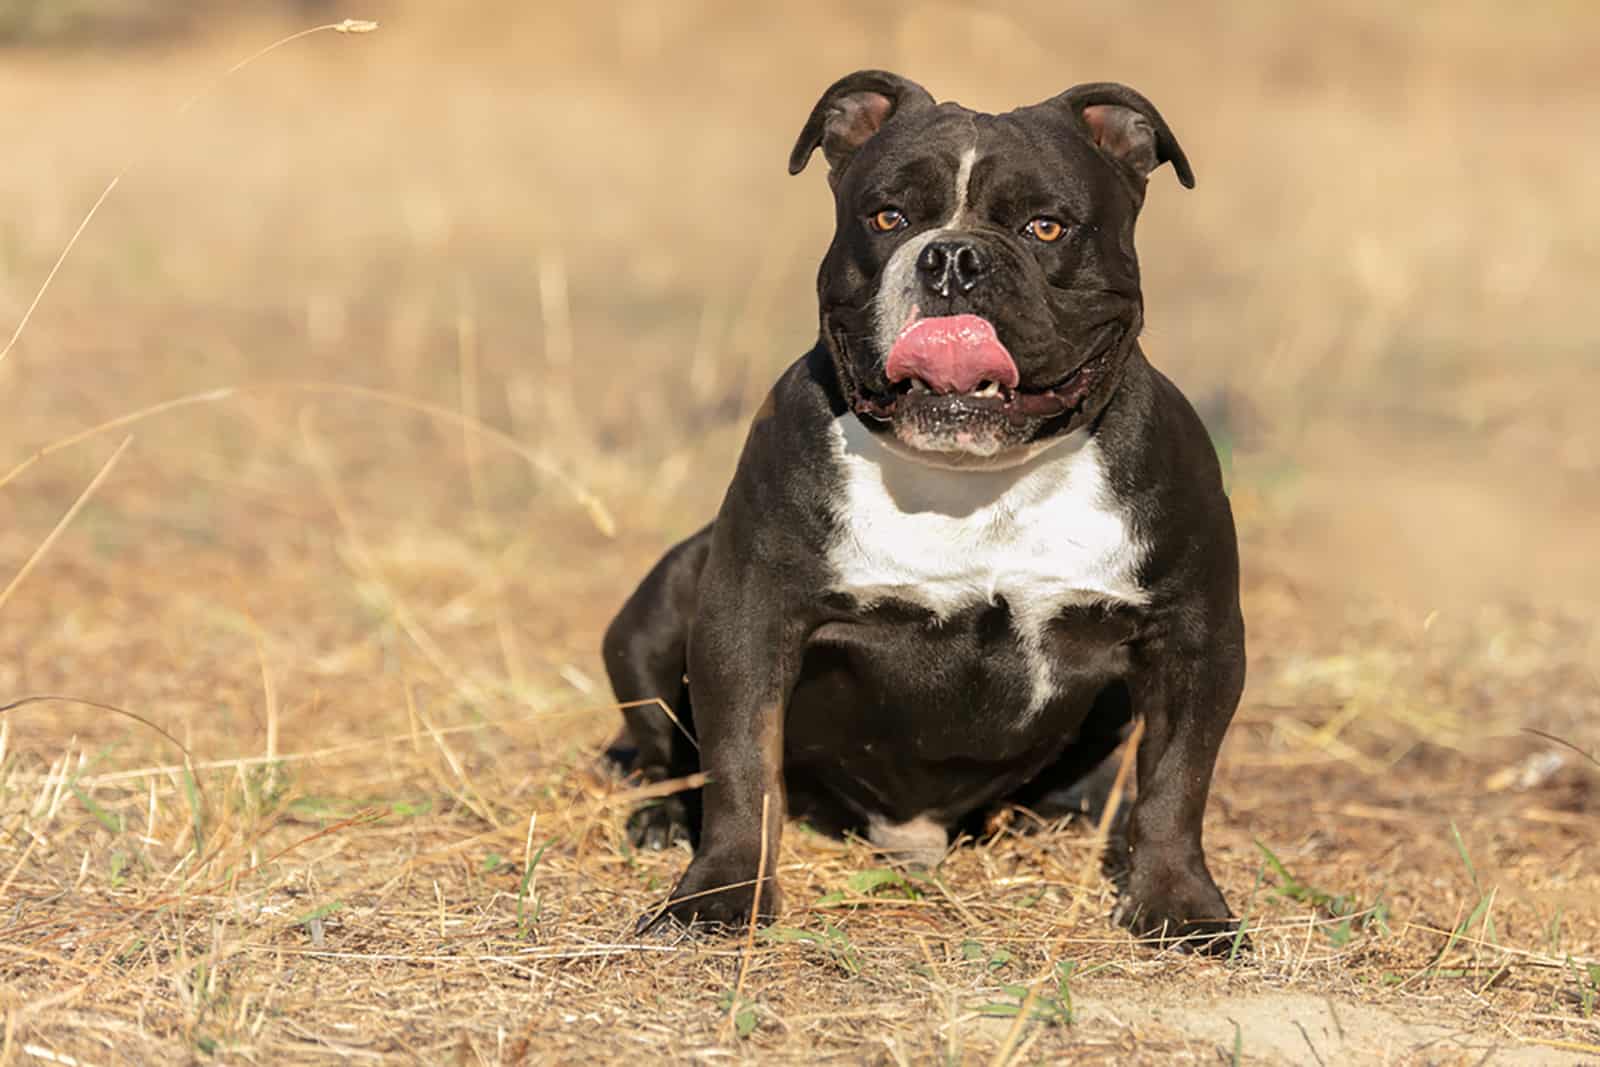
(396, 359)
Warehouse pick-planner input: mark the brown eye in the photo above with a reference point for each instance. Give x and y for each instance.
(1046, 230)
(886, 220)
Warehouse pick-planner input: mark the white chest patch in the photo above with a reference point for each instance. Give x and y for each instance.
(1043, 535)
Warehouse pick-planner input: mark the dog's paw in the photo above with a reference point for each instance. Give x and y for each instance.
(716, 901)
(1185, 912)
(659, 824)
(1205, 937)
(618, 758)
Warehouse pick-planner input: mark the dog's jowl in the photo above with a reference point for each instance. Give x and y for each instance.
(972, 535)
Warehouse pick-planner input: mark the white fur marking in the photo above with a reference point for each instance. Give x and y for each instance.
(963, 179)
(918, 843)
(896, 301)
(1044, 534)
(897, 290)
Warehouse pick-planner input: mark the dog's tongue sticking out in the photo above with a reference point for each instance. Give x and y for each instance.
(952, 354)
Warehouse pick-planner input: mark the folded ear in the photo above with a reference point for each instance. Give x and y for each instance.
(1127, 127)
(852, 110)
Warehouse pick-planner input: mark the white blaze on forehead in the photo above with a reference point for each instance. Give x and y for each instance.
(897, 288)
(963, 182)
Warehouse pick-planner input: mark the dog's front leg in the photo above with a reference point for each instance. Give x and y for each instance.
(744, 658)
(1186, 691)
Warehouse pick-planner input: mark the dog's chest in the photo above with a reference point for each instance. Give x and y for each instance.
(1038, 538)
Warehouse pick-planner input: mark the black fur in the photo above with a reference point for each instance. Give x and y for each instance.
(799, 700)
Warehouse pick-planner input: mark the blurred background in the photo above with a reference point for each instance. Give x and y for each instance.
(572, 221)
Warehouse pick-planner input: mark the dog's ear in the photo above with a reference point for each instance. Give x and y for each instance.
(1127, 127)
(853, 109)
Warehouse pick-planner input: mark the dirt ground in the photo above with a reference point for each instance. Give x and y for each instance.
(396, 358)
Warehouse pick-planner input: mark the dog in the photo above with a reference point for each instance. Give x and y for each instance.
(972, 534)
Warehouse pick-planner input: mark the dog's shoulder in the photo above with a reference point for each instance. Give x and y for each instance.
(1154, 441)
(779, 491)
(1161, 462)
(803, 400)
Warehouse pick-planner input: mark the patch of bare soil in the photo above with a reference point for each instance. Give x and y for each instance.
(1300, 1028)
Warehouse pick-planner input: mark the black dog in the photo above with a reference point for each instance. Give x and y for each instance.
(973, 532)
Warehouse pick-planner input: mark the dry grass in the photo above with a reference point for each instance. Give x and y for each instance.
(373, 627)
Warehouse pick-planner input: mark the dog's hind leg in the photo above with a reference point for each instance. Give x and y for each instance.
(645, 651)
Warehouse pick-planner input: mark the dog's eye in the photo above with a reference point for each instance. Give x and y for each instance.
(886, 220)
(1043, 229)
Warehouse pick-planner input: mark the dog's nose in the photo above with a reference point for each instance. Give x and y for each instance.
(951, 266)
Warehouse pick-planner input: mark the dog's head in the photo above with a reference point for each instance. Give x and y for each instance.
(981, 294)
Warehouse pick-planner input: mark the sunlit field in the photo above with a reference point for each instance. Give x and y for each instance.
(394, 359)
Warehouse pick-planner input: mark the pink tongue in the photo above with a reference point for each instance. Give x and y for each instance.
(952, 354)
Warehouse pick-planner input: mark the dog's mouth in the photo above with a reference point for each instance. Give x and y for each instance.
(1016, 405)
(955, 369)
